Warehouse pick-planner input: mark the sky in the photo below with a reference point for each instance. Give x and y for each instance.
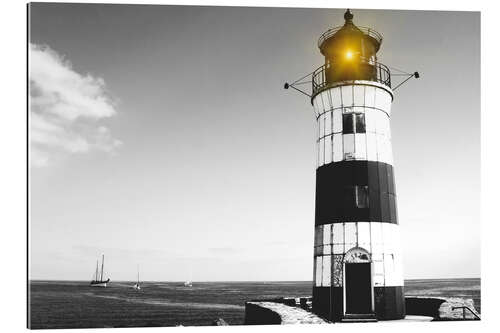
(161, 136)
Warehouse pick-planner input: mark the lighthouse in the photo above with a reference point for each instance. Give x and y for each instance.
(357, 258)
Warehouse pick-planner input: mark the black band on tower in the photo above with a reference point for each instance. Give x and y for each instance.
(352, 191)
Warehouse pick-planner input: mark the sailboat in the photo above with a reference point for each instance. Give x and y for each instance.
(188, 283)
(98, 281)
(137, 286)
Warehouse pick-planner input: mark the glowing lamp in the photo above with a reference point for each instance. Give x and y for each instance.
(348, 55)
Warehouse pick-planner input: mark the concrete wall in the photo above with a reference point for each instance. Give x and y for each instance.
(442, 308)
(272, 313)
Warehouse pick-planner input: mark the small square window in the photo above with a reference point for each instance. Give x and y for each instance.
(347, 123)
(353, 123)
(356, 197)
(360, 123)
(362, 197)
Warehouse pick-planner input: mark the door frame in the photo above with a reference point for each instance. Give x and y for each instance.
(357, 255)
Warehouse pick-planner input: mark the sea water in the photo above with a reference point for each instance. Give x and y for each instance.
(74, 304)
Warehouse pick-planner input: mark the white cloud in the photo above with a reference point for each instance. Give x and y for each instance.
(66, 109)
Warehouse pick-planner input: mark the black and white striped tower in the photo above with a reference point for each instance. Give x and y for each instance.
(357, 258)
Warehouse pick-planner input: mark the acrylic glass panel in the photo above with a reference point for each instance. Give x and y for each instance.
(388, 247)
(359, 95)
(380, 122)
(337, 121)
(370, 96)
(347, 95)
(321, 152)
(319, 270)
(389, 270)
(388, 128)
(327, 232)
(378, 273)
(348, 146)
(386, 145)
(371, 147)
(321, 107)
(336, 99)
(338, 151)
(328, 149)
(321, 125)
(338, 248)
(327, 100)
(360, 146)
(350, 234)
(364, 235)
(314, 270)
(328, 123)
(338, 233)
(371, 120)
(383, 124)
(326, 271)
(389, 156)
(376, 238)
(317, 154)
(381, 148)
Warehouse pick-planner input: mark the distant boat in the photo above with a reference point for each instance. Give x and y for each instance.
(188, 283)
(98, 281)
(137, 286)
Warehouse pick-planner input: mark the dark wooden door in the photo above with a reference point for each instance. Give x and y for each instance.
(358, 289)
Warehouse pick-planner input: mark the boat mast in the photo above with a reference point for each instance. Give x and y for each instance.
(137, 274)
(102, 267)
(96, 270)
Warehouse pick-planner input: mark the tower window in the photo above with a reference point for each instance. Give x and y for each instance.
(347, 124)
(360, 123)
(356, 196)
(353, 123)
(362, 196)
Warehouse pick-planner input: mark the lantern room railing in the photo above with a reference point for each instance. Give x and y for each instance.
(367, 31)
(325, 76)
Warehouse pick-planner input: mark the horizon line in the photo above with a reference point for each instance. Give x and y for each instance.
(213, 281)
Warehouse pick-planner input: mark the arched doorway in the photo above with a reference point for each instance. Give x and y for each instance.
(358, 288)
